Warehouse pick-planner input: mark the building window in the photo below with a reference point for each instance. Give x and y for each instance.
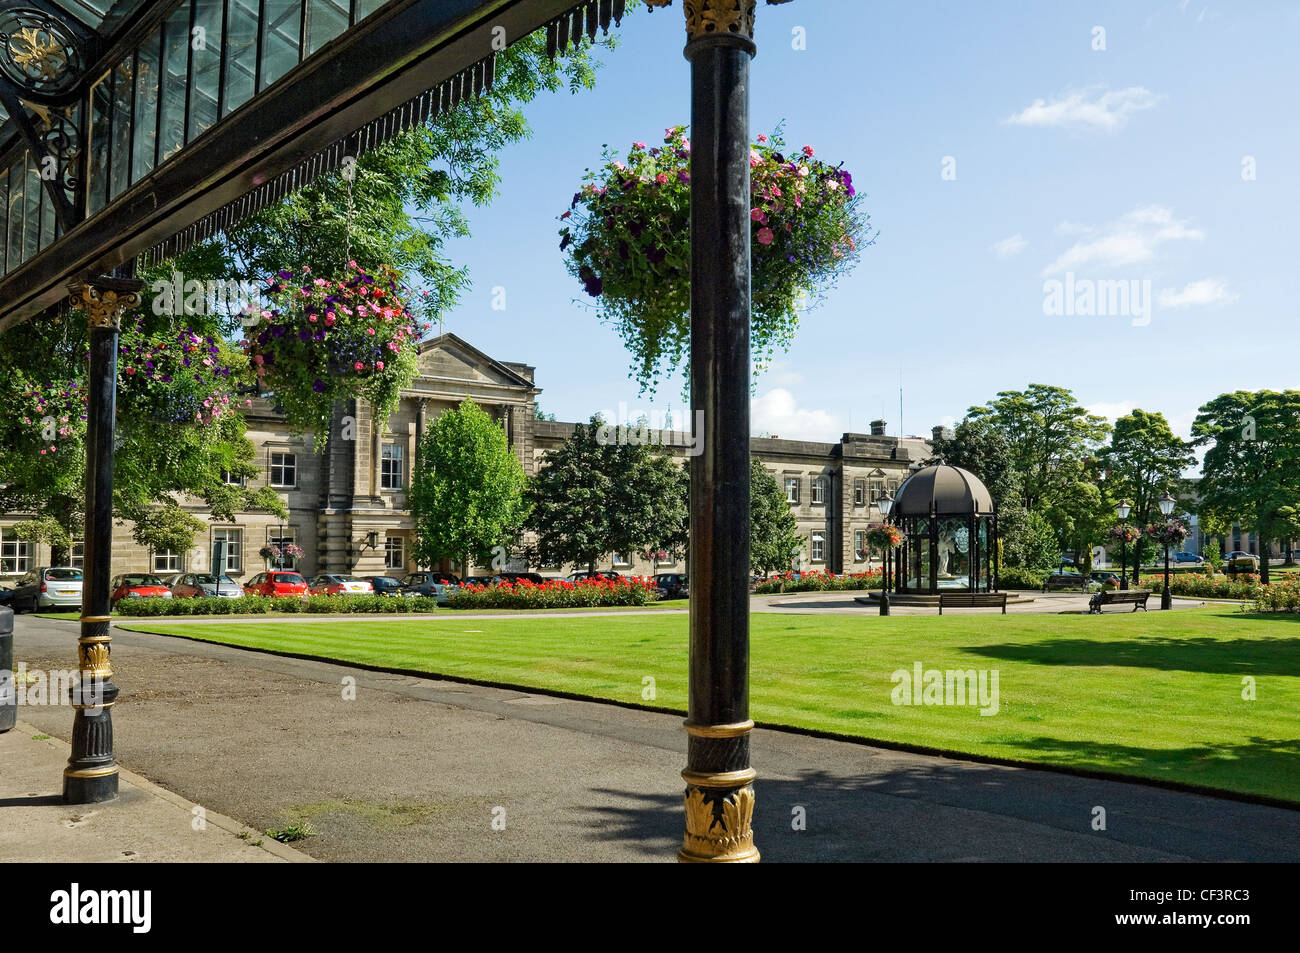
(394, 552)
(859, 545)
(893, 487)
(792, 489)
(231, 479)
(234, 540)
(284, 469)
(391, 472)
(165, 560)
(818, 548)
(77, 554)
(622, 559)
(15, 554)
(819, 489)
(877, 490)
(859, 492)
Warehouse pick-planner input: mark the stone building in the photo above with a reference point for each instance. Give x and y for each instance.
(348, 508)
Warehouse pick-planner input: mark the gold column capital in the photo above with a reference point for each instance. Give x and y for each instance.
(105, 299)
(706, 17)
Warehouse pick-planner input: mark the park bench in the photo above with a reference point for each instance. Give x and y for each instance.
(973, 600)
(1108, 597)
(1078, 582)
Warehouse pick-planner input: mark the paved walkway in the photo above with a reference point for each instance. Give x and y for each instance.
(418, 769)
(146, 822)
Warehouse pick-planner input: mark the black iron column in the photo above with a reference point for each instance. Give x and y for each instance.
(91, 774)
(719, 796)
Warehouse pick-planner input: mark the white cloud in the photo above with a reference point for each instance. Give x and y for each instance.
(1197, 293)
(1094, 109)
(1133, 239)
(1009, 247)
(781, 374)
(777, 411)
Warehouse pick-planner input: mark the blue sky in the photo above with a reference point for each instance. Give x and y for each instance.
(1122, 164)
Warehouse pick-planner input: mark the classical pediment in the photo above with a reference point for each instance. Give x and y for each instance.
(449, 362)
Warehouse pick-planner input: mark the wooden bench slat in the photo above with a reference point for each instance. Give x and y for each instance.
(973, 600)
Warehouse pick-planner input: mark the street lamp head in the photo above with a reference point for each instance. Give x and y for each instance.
(1167, 504)
(1123, 509)
(886, 503)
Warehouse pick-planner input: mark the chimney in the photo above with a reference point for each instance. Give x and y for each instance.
(937, 433)
(877, 428)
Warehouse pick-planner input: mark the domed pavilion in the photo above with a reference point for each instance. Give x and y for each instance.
(949, 526)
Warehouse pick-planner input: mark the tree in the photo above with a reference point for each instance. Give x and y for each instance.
(983, 449)
(601, 493)
(1144, 461)
(1028, 540)
(178, 433)
(1081, 520)
(773, 530)
(1050, 436)
(467, 495)
(1251, 471)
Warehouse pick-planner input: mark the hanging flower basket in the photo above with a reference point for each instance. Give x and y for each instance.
(1169, 534)
(323, 341)
(173, 377)
(1123, 533)
(276, 554)
(627, 236)
(884, 536)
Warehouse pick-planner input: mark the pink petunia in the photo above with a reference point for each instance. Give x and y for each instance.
(379, 365)
(762, 138)
(756, 215)
(358, 365)
(808, 151)
(765, 236)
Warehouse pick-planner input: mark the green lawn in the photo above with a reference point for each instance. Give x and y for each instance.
(1156, 695)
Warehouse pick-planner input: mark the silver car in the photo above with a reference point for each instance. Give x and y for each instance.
(197, 585)
(48, 587)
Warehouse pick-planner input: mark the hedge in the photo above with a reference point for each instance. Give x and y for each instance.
(261, 605)
(818, 582)
(556, 594)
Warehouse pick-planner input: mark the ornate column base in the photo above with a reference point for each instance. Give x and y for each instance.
(91, 774)
(718, 822)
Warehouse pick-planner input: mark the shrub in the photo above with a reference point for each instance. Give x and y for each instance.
(260, 605)
(1204, 585)
(819, 582)
(557, 594)
(1014, 577)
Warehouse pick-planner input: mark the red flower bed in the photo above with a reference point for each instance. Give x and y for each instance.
(557, 594)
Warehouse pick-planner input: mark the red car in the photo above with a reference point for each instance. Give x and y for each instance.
(137, 585)
(276, 583)
(332, 584)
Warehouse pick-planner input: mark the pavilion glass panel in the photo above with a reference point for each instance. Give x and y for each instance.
(14, 239)
(48, 219)
(366, 7)
(175, 83)
(281, 39)
(241, 54)
(32, 193)
(4, 218)
(101, 108)
(119, 163)
(145, 115)
(205, 66)
(326, 19)
(953, 553)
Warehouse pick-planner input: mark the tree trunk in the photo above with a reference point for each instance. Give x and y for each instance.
(1263, 559)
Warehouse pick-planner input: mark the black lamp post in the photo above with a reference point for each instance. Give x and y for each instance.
(886, 503)
(1122, 511)
(1167, 503)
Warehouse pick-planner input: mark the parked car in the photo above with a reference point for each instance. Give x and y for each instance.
(277, 582)
(674, 584)
(137, 585)
(169, 579)
(598, 574)
(1107, 578)
(438, 585)
(1186, 559)
(384, 585)
(333, 584)
(532, 577)
(479, 581)
(47, 587)
(197, 585)
(1238, 561)
(6, 594)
